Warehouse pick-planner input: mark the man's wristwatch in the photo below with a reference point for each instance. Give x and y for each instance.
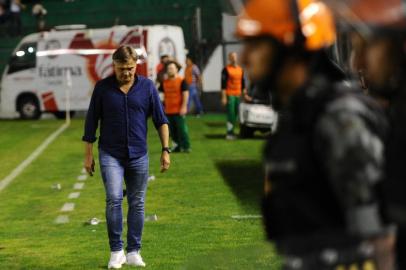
(166, 149)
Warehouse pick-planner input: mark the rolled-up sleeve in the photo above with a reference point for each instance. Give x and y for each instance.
(157, 111)
(93, 116)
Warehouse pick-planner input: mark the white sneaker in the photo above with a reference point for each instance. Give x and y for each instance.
(117, 259)
(134, 258)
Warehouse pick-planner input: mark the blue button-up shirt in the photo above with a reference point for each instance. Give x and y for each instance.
(123, 117)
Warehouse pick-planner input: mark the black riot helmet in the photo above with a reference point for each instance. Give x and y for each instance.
(382, 26)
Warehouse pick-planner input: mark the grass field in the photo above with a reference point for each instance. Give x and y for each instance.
(194, 202)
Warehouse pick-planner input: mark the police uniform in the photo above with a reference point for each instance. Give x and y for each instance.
(395, 184)
(324, 166)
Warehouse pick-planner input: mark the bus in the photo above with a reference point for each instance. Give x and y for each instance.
(35, 79)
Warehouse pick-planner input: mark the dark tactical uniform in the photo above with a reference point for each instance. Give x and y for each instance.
(395, 185)
(324, 166)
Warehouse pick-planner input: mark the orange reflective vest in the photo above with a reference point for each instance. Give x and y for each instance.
(173, 95)
(234, 84)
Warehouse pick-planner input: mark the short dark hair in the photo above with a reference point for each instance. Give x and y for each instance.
(164, 56)
(178, 66)
(124, 54)
(189, 56)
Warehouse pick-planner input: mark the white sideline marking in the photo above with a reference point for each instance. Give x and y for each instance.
(9, 178)
(68, 207)
(62, 219)
(246, 216)
(78, 186)
(82, 177)
(74, 195)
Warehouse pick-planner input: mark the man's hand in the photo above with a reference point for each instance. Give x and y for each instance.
(223, 98)
(224, 101)
(165, 161)
(89, 164)
(164, 136)
(183, 107)
(247, 98)
(183, 111)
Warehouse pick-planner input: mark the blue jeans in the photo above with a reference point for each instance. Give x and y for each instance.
(194, 96)
(135, 174)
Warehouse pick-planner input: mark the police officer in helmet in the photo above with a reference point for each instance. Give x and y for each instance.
(324, 165)
(381, 25)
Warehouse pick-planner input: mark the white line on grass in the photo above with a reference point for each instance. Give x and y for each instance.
(9, 178)
(68, 207)
(246, 216)
(74, 195)
(62, 219)
(78, 186)
(82, 177)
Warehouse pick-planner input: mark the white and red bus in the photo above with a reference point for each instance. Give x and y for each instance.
(35, 79)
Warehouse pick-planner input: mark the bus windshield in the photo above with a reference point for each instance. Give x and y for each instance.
(24, 58)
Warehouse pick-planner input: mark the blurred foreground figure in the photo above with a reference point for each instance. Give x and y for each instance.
(324, 165)
(382, 27)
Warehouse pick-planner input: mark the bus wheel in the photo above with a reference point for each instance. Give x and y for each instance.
(62, 114)
(28, 108)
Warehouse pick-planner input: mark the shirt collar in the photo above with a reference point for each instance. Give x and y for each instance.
(115, 82)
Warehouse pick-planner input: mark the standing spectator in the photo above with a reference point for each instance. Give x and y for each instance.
(232, 86)
(39, 12)
(3, 17)
(176, 95)
(122, 104)
(194, 80)
(161, 69)
(2, 12)
(15, 28)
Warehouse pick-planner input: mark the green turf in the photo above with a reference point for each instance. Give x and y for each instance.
(19, 138)
(194, 202)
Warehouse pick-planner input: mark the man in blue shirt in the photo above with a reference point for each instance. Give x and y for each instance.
(122, 104)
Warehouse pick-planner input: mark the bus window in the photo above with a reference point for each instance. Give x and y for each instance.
(24, 58)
